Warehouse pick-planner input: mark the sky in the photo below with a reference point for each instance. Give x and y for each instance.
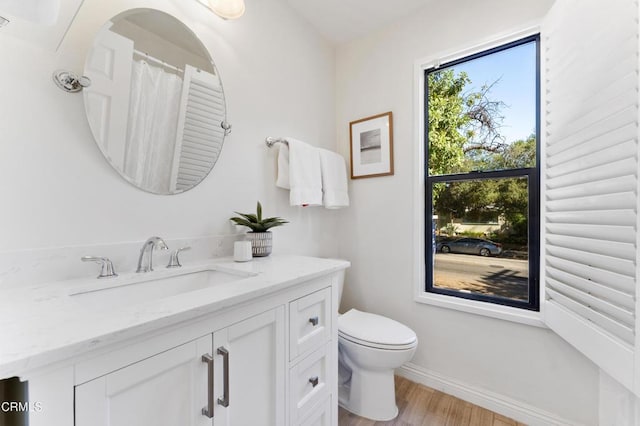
(516, 69)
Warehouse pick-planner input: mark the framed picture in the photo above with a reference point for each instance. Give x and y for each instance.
(372, 146)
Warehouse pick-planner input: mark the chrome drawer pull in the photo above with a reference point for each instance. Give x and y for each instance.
(208, 410)
(224, 401)
(314, 381)
(313, 321)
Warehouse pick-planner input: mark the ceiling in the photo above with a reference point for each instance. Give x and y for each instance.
(344, 20)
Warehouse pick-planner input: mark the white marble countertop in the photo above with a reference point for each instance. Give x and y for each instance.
(44, 324)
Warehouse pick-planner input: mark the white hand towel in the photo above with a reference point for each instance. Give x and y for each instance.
(335, 193)
(283, 167)
(305, 178)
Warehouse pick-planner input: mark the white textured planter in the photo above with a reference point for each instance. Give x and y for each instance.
(261, 243)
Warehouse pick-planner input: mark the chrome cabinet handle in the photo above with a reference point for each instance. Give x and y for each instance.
(224, 401)
(313, 321)
(208, 410)
(314, 381)
(106, 266)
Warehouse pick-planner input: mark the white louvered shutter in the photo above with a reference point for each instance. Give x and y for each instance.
(200, 135)
(591, 180)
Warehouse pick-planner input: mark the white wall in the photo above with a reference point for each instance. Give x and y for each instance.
(617, 406)
(374, 75)
(57, 190)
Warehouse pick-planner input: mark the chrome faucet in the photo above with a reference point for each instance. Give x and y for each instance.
(147, 249)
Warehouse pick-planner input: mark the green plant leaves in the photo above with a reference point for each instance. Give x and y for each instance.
(248, 216)
(255, 222)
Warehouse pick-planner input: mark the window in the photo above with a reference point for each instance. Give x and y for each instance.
(482, 176)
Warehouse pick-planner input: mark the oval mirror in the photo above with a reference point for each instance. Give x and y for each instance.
(155, 106)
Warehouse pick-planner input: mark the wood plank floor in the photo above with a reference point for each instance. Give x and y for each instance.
(422, 406)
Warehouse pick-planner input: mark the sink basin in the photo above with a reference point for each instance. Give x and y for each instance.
(135, 289)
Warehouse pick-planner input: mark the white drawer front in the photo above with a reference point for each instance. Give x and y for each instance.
(310, 383)
(321, 416)
(310, 322)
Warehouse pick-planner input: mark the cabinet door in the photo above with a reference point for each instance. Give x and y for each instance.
(250, 371)
(167, 389)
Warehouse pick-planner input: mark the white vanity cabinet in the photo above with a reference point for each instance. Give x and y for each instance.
(268, 360)
(169, 388)
(246, 361)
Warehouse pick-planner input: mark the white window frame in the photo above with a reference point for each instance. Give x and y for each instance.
(492, 310)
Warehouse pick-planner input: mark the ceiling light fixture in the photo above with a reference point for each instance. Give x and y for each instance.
(227, 9)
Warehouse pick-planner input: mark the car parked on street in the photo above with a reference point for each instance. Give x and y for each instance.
(468, 245)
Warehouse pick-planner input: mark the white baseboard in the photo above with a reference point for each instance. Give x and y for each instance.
(495, 402)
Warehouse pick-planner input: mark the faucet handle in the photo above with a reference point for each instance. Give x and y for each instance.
(174, 261)
(107, 270)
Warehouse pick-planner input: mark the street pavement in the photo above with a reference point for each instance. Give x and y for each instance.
(486, 275)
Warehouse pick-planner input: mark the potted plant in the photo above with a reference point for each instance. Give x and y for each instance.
(260, 236)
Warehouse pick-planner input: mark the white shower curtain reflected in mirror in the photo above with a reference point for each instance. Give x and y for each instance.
(151, 131)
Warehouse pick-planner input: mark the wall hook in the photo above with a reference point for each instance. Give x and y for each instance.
(69, 81)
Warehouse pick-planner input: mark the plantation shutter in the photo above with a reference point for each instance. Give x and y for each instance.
(200, 134)
(591, 180)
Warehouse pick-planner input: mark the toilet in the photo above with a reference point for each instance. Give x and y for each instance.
(370, 348)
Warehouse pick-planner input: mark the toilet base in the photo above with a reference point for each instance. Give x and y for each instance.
(370, 394)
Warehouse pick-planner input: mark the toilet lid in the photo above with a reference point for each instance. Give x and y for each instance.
(372, 329)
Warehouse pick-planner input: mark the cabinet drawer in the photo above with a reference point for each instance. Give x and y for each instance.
(321, 416)
(310, 383)
(310, 322)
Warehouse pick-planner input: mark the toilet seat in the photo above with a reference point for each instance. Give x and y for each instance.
(375, 331)
(377, 345)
